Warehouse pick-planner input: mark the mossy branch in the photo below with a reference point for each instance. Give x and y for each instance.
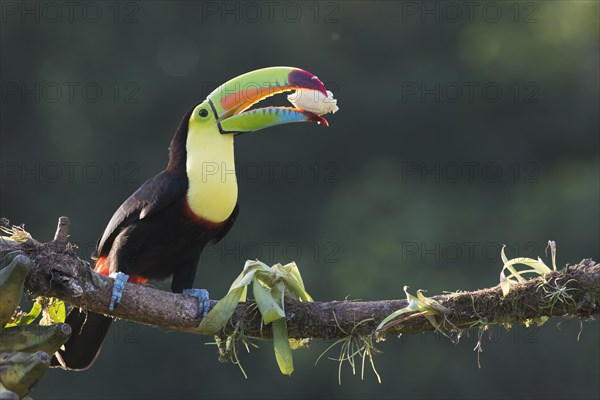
(58, 272)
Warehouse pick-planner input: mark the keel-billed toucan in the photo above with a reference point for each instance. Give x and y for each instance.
(162, 228)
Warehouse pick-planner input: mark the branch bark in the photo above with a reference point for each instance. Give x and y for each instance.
(58, 272)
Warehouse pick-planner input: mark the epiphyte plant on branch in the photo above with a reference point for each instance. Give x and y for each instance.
(195, 208)
(25, 348)
(271, 286)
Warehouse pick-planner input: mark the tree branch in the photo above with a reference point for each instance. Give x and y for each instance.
(58, 272)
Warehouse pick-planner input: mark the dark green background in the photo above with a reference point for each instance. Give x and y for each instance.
(367, 224)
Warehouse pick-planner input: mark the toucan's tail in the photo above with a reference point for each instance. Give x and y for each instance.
(81, 350)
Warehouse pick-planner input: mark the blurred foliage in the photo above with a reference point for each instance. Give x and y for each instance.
(364, 217)
(25, 348)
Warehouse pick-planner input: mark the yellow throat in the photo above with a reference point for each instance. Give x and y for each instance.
(212, 192)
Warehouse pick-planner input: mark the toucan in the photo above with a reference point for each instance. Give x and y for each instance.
(162, 228)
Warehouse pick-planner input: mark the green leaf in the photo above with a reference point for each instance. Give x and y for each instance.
(278, 291)
(420, 303)
(294, 284)
(411, 307)
(57, 311)
(28, 318)
(431, 303)
(267, 305)
(244, 295)
(292, 268)
(552, 245)
(537, 267)
(221, 312)
(283, 351)
(250, 268)
(246, 276)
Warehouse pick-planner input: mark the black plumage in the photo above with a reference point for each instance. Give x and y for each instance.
(154, 234)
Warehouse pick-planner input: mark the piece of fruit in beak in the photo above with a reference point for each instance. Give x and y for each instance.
(313, 101)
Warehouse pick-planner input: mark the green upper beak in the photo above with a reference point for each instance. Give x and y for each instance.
(231, 100)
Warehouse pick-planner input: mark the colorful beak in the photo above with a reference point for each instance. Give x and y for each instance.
(232, 100)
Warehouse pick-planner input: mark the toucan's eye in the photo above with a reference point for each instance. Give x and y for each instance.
(203, 113)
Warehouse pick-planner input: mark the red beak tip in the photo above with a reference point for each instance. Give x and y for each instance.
(306, 80)
(323, 121)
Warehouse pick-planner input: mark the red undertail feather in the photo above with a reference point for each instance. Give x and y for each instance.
(103, 268)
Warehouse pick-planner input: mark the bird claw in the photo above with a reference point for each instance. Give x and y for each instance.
(203, 299)
(120, 281)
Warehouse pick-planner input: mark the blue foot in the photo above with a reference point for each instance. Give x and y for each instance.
(120, 281)
(203, 300)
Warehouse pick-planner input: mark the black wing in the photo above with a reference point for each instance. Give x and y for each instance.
(153, 196)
